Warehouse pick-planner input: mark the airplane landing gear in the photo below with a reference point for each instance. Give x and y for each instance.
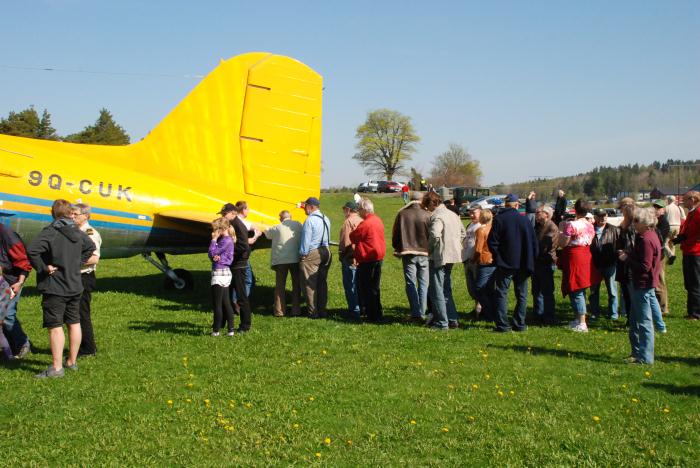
(178, 279)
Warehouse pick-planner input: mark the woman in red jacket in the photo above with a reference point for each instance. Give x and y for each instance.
(370, 248)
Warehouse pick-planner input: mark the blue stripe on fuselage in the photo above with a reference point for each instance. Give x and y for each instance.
(96, 223)
(48, 203)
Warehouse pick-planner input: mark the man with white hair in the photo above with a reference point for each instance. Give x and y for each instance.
(284, 258)
(675, 217)
(81, 216)
(546, 233)
(370, 248)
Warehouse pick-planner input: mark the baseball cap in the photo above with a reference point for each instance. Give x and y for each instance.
(351, 205)
(589, 215)
(511, 197)
(599, 212)
(312, 201)
(227, 208)
(659, 204)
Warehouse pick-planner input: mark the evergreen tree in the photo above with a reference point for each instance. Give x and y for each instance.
(25, 123)
(45, 131)
(105, 132)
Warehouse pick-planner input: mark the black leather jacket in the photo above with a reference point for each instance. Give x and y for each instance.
(603, 249)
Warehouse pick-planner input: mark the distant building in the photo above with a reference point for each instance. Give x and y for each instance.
(641, 195)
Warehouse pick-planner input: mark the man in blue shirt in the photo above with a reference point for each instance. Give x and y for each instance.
(315, 257)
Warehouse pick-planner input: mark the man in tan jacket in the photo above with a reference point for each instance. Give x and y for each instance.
(346, 253)
(284, 257)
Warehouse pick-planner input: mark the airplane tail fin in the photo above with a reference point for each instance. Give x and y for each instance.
(251, 127)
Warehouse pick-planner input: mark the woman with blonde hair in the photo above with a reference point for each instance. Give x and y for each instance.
(221, 256)
(485, 268)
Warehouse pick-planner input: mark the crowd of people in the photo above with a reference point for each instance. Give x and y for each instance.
(499, 247)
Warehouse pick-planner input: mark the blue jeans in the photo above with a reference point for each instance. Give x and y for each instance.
(483, 284)
(656, 315)
(641, 330)
(350, 286)
(444, 308)
(503, 279)
(249, 283)
(578, 301)
(608, 275)
(11, 326)
(543, 292)
(417, 277)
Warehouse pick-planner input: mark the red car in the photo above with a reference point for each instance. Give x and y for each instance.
(389, 186)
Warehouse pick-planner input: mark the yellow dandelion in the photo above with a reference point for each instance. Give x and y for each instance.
(596, 419)
(451, 387)
(500, 393)
(248, 405)
(558, 345)
(327, 441)
(634, 400)
(445, 429)
(349, 442)
(413, 421)
(295, 426)
(311, 398)
(170, 402)
(324, 352)
(189, 385)
(188, 400)
(231, 405)
(487, 376)
(475, 387)
(298, 361)
(471, 418)
(207, 402)
(318, 454)
(512, 392)
(624, 386)
(647, 374)
(666, 410)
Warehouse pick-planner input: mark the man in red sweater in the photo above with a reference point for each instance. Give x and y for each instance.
(689, 238)
(370, 249)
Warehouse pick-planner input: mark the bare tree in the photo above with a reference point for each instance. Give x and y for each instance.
(455, 167)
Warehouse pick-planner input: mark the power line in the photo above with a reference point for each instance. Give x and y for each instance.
(95, 72)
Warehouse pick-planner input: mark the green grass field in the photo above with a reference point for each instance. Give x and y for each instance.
(294, 391)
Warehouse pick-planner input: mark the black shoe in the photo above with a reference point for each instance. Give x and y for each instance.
(500, 330)
(241, 331)
(452, 324)
(671, 260)
(318, 316)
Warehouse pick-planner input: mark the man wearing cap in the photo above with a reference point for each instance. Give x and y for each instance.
(241, 252)
(605, 260)
(315, 257)
(514, 247)
(409, 238)
(284, 258)
(346, 254)
(689, 238)
(675, 217)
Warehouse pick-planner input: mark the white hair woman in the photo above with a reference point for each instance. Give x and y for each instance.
(644, 262)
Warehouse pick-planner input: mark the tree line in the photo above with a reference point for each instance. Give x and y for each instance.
(27, 123)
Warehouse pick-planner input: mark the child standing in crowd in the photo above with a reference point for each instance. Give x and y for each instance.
(221, 256)
(6, 296)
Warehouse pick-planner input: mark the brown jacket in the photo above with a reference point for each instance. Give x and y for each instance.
(346, 250)
(547, 234)
(411, 230)
(482, 254)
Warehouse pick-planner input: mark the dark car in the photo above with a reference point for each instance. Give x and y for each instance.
(388, 186)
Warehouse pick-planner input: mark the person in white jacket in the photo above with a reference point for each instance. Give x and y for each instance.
(445, 249)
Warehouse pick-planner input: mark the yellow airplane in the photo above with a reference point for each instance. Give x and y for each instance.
(250, 130)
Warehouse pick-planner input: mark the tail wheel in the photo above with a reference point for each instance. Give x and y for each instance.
(186, 282)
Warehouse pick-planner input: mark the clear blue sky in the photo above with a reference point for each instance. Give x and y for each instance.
(530, 88)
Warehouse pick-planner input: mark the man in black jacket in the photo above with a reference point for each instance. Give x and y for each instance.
(57, 254)
(663, 230)
(605, 261)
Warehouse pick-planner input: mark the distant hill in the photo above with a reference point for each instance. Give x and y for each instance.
(607, 182)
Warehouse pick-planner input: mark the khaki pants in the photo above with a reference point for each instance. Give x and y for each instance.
(314, 271)
(662, 290)
(280, 303)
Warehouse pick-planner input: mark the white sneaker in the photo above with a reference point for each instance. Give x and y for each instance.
(229, 333)
(215, 334)
(581, 328)
(573, 324)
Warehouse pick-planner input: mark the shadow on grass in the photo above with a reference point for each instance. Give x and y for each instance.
(27, 364)
(692, 361)
(557, 352)
(177, 328)
(690, 390)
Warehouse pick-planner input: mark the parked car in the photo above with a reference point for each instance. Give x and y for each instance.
(486, 202)
(388, 186)
(365, 187)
